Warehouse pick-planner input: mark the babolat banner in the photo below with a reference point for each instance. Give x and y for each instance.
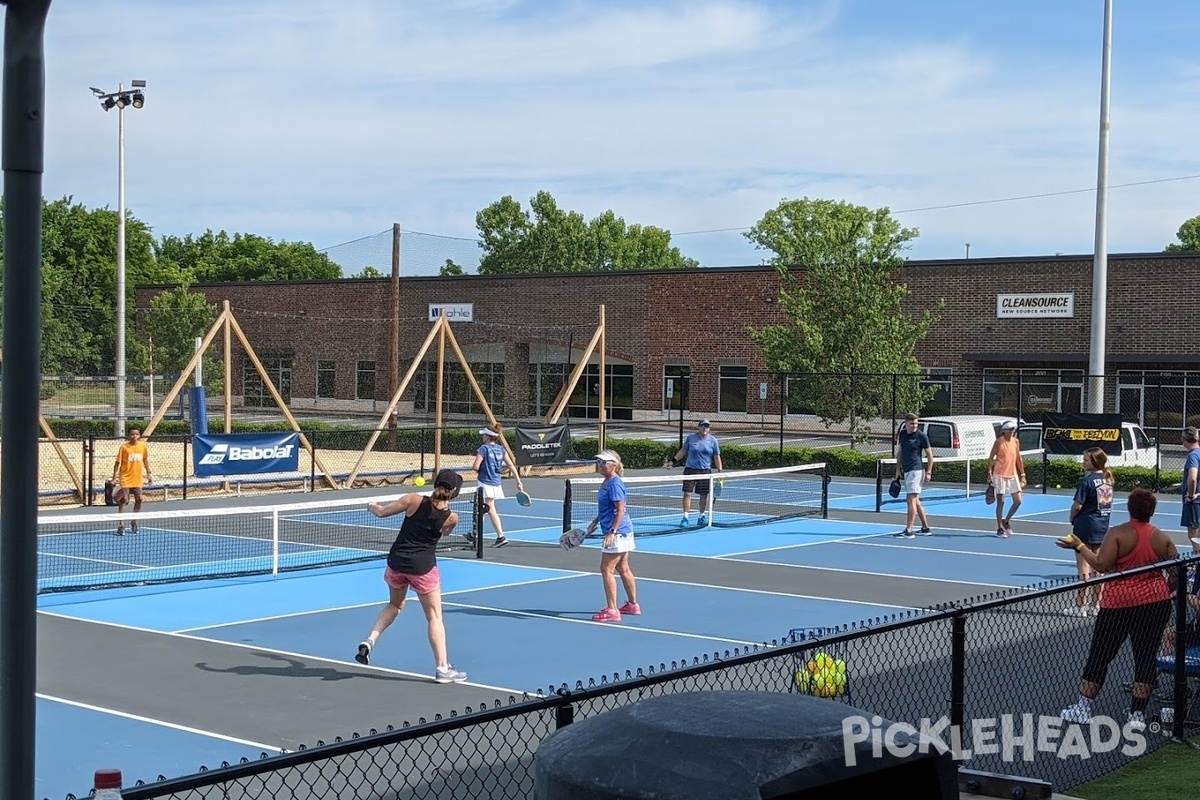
(538, 446)
(1072, 434)
(245, 453)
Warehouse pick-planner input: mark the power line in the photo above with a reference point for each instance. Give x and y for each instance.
(981, 202)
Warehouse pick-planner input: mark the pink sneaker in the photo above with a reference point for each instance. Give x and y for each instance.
(607, 615)
(632, 609)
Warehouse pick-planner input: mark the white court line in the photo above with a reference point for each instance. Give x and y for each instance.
(879, 574)
(381, 601)
(774, 594)
(966, 552)
(511, 612)
(348, 662)
(163, 723)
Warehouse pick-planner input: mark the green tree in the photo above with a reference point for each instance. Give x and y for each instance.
(174, 320)
(217, 257)
(549, 239)
(368, 272)
(846, 316)
(79, 285)
(1189, 238)
(450, 269)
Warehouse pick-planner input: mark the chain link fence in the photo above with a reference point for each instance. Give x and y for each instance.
(987, 677)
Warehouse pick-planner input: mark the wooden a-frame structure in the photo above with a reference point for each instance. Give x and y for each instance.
(444, 333)
(227, 324)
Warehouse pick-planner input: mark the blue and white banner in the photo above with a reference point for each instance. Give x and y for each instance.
(245, 453)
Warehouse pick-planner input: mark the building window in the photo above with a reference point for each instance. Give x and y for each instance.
(458, 397)
(939, 379)
(1028, 394)
(1160, 402)
(676, 387)
(255, 393)
(545, 383)
(732, 389)
(364, 381)
(618, 393)
(326, 378)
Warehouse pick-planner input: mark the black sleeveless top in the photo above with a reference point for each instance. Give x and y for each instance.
(413, 551)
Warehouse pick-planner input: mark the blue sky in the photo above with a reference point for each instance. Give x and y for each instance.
(327, 122)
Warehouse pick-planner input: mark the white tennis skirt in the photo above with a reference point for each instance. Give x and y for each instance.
(621, 544)
(492, 492)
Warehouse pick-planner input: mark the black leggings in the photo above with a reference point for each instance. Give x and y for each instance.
(1142, 625)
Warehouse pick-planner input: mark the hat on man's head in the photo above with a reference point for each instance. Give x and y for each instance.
(489, 432)
(704, 424)
(449, 479)
(1008, 425)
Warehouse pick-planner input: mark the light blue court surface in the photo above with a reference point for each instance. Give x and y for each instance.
(181, 607)
(68, 734)
(527, 637)
(986, 565)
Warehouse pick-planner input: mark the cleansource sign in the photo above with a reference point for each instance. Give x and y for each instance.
(1035, 305)
(245, 454)
(453, 312)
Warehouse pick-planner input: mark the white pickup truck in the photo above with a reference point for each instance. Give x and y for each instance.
(1137, 449)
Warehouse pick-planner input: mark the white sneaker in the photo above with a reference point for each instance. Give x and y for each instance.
(1136, 721)
(448, 674)
(1076, 713)
(1075, 611)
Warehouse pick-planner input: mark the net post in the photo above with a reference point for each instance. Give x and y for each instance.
(567, 505)
(477, 521)
(826, 479)
(275, 541)
(878, 485)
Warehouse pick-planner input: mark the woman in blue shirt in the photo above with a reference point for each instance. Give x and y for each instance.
(1090, 514)
(613, 519)
(490, 461)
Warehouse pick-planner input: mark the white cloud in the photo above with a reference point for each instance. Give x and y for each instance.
(305, 120)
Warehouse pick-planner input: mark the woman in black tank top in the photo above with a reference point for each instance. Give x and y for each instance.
(412, 561)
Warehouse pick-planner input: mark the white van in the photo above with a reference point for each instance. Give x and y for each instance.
(1137, 448)
(963, 435)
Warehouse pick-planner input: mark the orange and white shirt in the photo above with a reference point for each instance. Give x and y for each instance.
(132, 460)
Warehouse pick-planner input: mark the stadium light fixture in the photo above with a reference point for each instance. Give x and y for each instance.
(120, 99)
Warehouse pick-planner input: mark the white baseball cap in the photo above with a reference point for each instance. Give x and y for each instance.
(1009, 426)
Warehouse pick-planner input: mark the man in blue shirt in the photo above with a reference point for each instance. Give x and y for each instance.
(910, 442)
(699, 453)
(1190, 488)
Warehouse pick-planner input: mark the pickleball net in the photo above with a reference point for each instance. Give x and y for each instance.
(958, 478)
(747, 497)
(84, 551)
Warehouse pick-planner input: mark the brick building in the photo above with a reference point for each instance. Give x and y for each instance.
(1014, 337)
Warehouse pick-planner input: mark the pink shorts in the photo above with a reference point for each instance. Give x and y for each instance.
(421, 584)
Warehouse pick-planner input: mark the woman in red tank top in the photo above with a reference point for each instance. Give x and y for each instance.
(1136, 608)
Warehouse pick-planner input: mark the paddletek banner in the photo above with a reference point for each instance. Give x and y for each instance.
(1072, 434)
(539, 446)
(245, 453)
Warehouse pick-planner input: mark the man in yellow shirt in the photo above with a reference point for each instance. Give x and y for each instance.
(130, 472)
(1006, 475)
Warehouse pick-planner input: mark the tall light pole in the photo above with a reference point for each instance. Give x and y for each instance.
(1097, 358)
(121, 98)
